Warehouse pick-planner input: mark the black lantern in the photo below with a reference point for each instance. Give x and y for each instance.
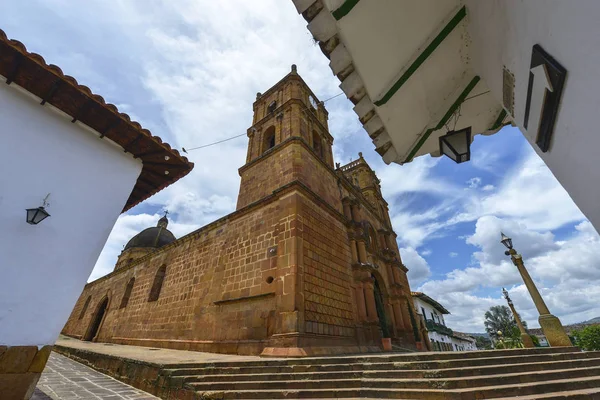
(506, 241)
(37, 215)
(457, 145)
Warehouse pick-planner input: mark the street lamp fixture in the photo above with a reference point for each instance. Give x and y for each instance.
(551, 325)
(506, 241)
(457, 145)
(505, 293)
(37, 215)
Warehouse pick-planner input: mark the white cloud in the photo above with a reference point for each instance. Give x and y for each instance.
(418, 269)
(190, 70)
(453, 254)
(567, 273)
(474, 183)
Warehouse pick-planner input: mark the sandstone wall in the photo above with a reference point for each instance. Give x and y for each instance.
(216, 294)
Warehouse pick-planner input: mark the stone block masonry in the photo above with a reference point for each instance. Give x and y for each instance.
(20, 369)
(307, 264)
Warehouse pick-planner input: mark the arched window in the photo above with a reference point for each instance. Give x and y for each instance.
(317, 145)
(158, 282)
(85, 307)
(127, 293)
(269, 138)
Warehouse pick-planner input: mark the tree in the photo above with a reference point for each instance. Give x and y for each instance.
(483, 343)
(535, 340)
(588, 338)
(499, 318)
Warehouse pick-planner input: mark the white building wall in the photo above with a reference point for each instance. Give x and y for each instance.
(44, 267)
(463, 345)
(429, 310)
(503, 34)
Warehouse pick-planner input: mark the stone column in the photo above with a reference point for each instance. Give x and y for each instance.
(393, 279)
(360, 302)
(355, 212)
(370, 300)
(396, 272)
(382, 241)
(550, 324)
(388, 240)
(390, 312)
(398, 316)
(353, 251)
(406, 316)
(347, 211)
(362, 252)
(525, 338)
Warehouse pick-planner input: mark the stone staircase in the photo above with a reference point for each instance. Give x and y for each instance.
(541, 373)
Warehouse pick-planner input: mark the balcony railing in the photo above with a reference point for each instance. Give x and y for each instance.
(433, 326)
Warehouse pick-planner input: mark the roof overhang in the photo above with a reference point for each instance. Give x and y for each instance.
(430, 301)
(162, 165)
(405, 65)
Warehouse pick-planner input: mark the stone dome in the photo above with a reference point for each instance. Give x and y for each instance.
(154, 237)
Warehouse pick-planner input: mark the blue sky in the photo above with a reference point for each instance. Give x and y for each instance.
(189, 71)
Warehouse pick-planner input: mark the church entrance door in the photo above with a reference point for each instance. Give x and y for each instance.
(380, 309)
(97, 320)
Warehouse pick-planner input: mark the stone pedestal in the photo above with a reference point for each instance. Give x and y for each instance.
(554, 331)
(20, 369)
(527, 342)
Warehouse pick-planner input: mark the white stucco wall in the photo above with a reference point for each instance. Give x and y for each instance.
(44, 267)
(420, 304)
(503, 34)
(463, 345)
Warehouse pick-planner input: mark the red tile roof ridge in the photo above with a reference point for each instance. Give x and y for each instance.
(58, 71)
(183, 165)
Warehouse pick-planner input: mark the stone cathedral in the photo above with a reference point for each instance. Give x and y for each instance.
(308, 263)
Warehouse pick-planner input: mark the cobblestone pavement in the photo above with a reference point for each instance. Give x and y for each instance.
(65, 379)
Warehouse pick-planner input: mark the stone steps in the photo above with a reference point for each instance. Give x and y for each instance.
(381, 364)
(400, 374)
(386, 383)
(382, 357)
(556, 373)
(534, 389)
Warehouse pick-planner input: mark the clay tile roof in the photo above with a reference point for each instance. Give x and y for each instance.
(162, 165)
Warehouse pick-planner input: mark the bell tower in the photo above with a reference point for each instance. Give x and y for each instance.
(286, 117)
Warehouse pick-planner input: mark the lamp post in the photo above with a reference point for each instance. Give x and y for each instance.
(525, 338)
(551, 326)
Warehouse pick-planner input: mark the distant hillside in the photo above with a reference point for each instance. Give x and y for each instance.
(538, 330)
(592, 321)
(478, 334)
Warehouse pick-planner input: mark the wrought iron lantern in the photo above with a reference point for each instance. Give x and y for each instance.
(506, 241)
(37, 215)
(506, 296)
(457, 145)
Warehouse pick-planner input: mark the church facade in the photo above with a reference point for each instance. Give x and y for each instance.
(308, 263)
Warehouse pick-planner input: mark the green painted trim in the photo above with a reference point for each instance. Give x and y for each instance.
(499, 120)
(423, 56)
(445, 118)
(344, 9)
